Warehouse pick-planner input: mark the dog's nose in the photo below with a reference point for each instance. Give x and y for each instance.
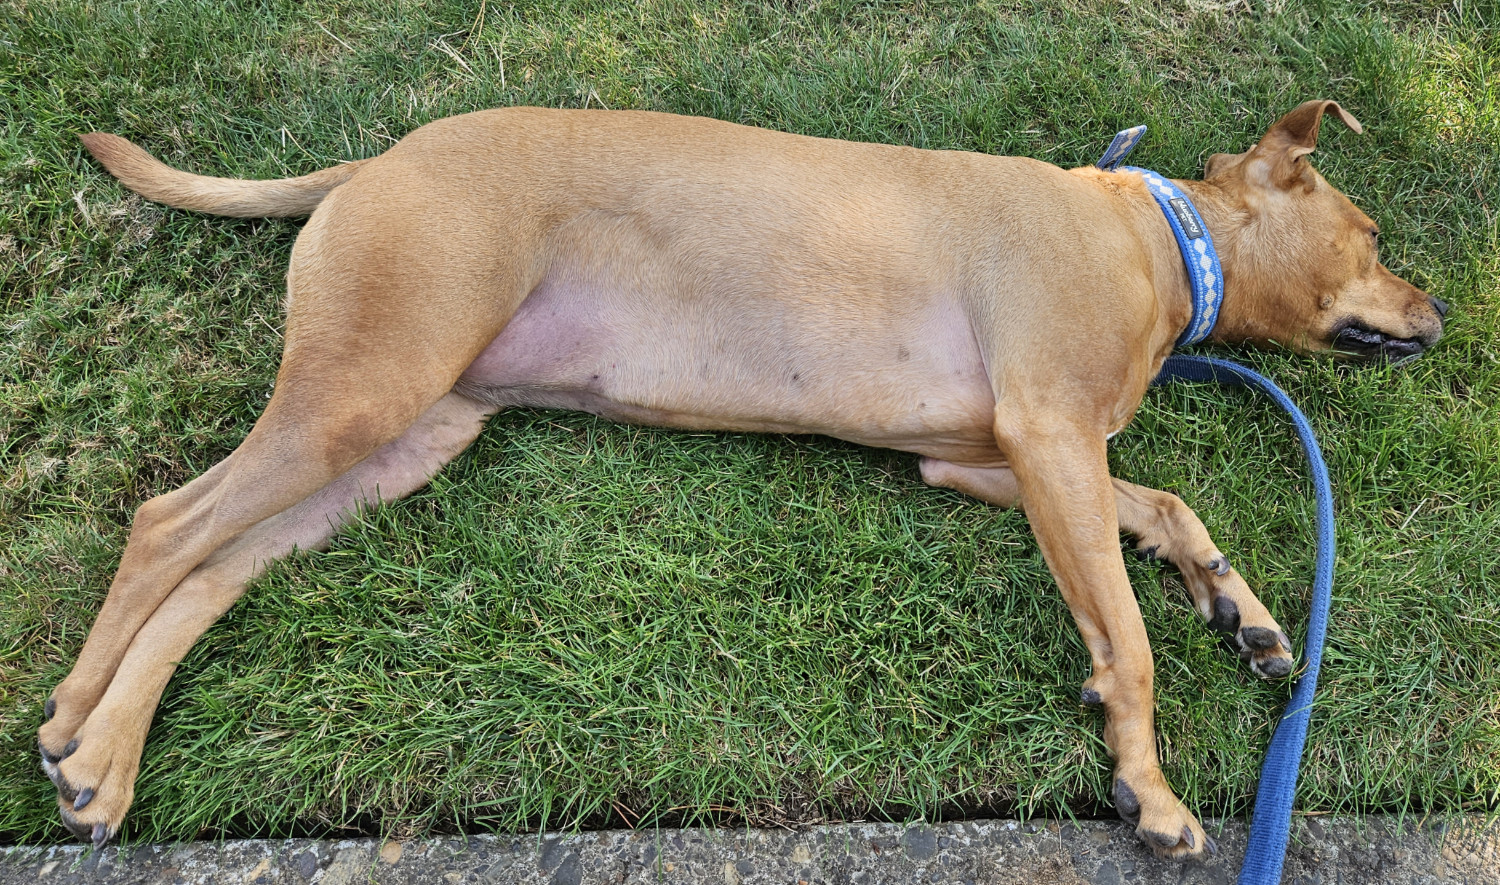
(1439, 305)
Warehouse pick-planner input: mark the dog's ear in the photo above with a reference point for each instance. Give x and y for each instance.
(1286, 145)
(1218, 164)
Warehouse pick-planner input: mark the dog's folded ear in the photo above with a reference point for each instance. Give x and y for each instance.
(1297, 132)
(1294, 137)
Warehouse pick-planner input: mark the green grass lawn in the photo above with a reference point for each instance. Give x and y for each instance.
(582, 623)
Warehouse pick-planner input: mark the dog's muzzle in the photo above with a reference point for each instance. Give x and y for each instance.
(1363, 342)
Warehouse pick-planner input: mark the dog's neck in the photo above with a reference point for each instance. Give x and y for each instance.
(1250, 281)
(1225, 219)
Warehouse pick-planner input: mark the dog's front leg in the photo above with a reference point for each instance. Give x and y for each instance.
(1164, 528)
(1064, 487)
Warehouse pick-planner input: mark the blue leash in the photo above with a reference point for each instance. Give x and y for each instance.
(1271, 821)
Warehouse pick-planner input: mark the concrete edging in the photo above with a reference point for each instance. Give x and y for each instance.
(1343, 850)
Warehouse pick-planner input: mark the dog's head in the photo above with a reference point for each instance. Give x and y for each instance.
(1304, 263)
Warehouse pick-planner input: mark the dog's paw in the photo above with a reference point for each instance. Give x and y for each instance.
(1267, 651)
(62, 716)
(95, 779)
(1226, 604)
(1161, 821)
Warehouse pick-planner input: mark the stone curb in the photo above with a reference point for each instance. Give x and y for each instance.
(1325, 851)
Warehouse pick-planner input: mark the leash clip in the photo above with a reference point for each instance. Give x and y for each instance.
(1125, 141)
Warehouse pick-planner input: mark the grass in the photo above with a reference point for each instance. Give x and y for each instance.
(581, 623)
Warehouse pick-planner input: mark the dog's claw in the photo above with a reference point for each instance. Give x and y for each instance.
(71, 748)
(85, 796)
(100, 835)
(1091, 697)
(1148, 553)
(1219, 565)
(1187, 836)
(49, 709)
(1210, 845)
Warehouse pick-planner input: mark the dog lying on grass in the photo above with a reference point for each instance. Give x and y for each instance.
(998, 316)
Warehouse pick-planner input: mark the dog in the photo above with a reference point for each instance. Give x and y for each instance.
(998, 316)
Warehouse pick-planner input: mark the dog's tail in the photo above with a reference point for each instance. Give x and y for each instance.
(160, 183)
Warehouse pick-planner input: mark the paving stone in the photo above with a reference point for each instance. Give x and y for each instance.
(920, 843)
(307, 864)
(1347, 851)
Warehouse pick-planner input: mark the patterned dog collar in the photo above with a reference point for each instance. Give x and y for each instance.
(1193, 239)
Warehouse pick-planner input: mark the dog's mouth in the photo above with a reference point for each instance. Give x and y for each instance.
(1362, 342)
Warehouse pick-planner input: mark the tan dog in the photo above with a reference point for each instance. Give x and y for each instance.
(692, 273)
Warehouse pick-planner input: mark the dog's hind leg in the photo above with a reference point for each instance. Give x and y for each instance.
(313, 430)
(295, 449)
(96, 779)
(1165, 528)
(391, 297)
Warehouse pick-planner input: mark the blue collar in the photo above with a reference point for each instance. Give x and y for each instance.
(1193, 239)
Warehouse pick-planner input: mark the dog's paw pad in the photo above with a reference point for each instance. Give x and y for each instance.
(75, 818)
(1272, 668)
(77, 828)
(1259, 639)
(1268, 652)
(1226, 617)
(1182, 841)
(1126, 802)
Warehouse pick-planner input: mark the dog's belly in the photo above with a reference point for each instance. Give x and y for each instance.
(627, 348)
